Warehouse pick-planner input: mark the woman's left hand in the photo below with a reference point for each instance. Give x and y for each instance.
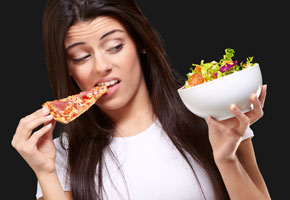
(225, 136)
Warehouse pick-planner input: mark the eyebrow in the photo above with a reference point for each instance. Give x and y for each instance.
(110, 32)
(102, 37)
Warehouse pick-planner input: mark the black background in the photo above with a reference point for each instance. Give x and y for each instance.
(191, 30)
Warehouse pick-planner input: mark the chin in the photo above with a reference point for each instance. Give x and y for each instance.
(111, 105)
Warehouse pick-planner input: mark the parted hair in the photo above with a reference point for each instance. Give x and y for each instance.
(89, 135)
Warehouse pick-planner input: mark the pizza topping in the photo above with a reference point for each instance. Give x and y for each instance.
(67, 109)
(83, 93)
(77, 105)
(87, 96)
(60, 105)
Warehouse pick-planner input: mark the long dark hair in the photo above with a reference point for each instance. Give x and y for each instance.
(90, 134)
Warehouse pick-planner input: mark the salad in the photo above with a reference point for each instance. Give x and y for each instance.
(205, 72)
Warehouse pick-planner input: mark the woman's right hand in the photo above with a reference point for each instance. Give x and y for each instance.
(37, 148)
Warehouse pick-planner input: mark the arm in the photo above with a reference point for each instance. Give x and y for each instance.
(68, 196)
(39, 151)
(237, 181)
(235, 159)
(246, 156)
(51, 188)
(241, 175)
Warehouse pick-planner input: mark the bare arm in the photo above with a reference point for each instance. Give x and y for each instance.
(235, 158)
(241, 176)
(246, 156)
(51, 188)
(38, 150)
(238, 183)
(68, 196)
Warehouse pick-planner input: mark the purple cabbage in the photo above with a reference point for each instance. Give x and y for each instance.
(228, 66)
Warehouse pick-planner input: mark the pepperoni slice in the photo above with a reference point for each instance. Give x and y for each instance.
(60, 105)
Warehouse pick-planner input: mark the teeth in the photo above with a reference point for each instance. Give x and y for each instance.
(108, 83)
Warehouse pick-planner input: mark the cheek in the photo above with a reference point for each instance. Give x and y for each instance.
(132, 75)
(129, 61)
(131, 71)
(81, 76)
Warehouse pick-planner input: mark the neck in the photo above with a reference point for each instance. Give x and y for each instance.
(136, 116)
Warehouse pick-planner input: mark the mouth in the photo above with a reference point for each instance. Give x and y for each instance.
(109, 84)
(112, 85)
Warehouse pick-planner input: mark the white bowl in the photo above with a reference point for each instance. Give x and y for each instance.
(214, 98)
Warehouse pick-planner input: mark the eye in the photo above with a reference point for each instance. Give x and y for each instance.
(77, 60)
(115, 49)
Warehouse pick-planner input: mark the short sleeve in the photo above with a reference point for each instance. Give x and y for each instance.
(249, 134)
(61, 167)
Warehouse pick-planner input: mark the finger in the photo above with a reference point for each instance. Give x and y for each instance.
(257, 104)
(263, 94)
(23, 131)
(39, 113)
(28, 127)
(257, 112)
(213, 124)
(24, 121)
(243, 119)
(38, 134)
(49, 135)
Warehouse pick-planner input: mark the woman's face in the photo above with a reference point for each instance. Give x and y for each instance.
(102, 52)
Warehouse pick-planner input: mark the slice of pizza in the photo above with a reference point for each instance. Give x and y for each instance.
(67, 109)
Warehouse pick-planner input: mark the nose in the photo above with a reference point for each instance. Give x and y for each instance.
(102, 65)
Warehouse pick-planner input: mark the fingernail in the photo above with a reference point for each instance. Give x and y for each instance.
(45, 110)
(234, 107)
(254, 96)
(209, 119)
(48, 125)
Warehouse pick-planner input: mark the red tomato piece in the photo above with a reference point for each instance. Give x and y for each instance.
(195, 79)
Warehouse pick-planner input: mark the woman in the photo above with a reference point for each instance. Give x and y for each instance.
(139, 141)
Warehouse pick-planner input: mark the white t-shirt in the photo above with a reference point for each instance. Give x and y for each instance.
(152, 167)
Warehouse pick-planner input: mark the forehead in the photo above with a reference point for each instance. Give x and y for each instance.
(96, 27)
